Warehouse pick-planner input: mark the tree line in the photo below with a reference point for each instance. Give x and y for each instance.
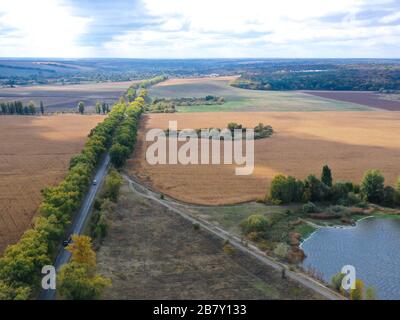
(357, 77)
(20, 267)
(18, 108)
(372, 189)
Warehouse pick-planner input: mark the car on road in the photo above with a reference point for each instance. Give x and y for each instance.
(94, 182)
(67, 242)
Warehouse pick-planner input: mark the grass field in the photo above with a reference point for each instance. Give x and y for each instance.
(34, 153)
(66, 98)
(246, 100)
(153, 253)
(349, 142)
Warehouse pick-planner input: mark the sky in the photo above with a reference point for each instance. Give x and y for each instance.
(200, 28)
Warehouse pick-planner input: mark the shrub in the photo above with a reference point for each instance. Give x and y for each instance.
(281, 250)
(372, 186)
(228, 248)
(337, 281)
(255, 223)
(310, 208)
(338, 210)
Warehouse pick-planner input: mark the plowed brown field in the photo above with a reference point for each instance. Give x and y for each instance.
(34, 153)
(349, 142)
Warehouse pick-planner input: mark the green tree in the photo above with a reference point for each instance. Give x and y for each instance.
(397, 194)
(326, 176)
(98, 107)
(285, 189)
(112, 185)
(76, 282)
(41, 107)
(372, 186)
(118, 154)
(31, 107)
(81, 107)
(389, 196)
(318, 190)
(104, 107)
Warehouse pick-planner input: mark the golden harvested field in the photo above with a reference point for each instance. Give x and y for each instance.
(34, 153)
(349, 142)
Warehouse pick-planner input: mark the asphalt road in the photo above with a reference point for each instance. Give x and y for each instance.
(79, 221)
(235, 241)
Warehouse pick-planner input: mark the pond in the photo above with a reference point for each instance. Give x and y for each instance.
(372, 247)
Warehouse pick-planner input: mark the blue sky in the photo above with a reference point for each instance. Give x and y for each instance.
(200, 29)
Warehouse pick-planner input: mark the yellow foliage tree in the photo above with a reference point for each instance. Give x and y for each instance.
(82, 252)
(78, 279)
(358, 292)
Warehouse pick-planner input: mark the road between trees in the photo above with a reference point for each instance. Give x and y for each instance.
(79, 221)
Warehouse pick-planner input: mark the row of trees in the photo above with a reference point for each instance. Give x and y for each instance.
(131, 93)
(20, 267)
(104, 205)
(100, 108)
(125, 136)
(287, 189)
(17, 108)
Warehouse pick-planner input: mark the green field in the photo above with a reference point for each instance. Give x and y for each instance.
(249, 100)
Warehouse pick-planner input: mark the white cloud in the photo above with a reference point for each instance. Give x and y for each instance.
(263, 28)
(391, 17)
(39, 28)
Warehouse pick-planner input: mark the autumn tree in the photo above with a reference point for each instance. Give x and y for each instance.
(78, 279)
(358, 292)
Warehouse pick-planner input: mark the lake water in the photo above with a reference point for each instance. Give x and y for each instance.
(372, 247)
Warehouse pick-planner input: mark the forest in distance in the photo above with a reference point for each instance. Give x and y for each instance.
(259, 74)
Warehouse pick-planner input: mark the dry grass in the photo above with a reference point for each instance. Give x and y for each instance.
(35, 153)
(152, 253)
(349, 142)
